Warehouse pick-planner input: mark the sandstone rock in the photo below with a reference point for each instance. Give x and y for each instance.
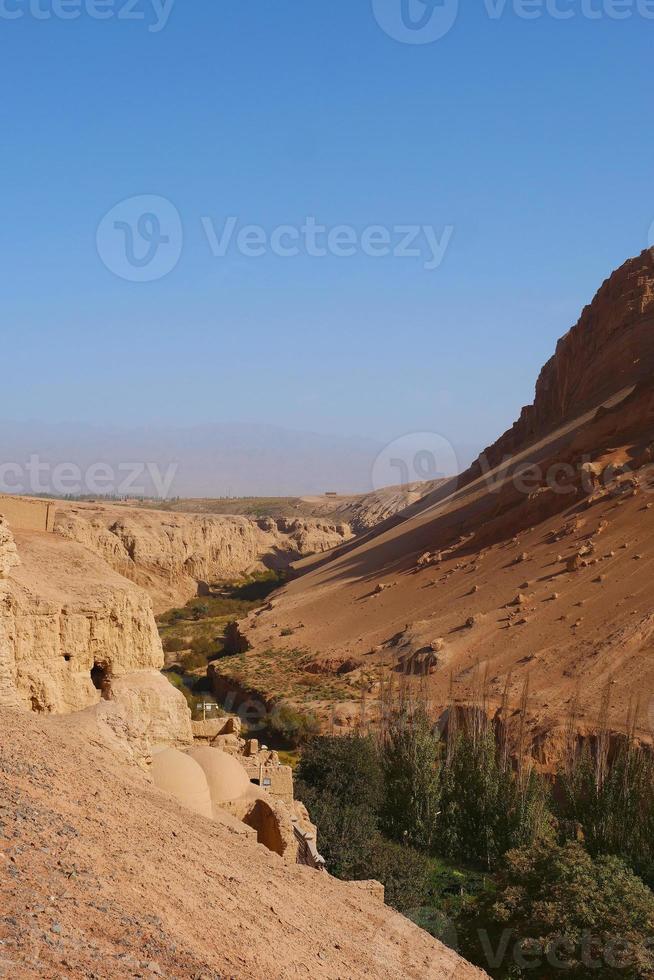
(170, 553)
(420, 662)
(332, 664)
(574, 563)
(74, 634)
(8, 553)
(591, 473)
(629, 487)
(519, 600)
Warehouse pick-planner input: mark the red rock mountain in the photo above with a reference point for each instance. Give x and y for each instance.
(609, 348)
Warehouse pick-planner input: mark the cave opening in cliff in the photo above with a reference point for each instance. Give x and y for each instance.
(101, 679)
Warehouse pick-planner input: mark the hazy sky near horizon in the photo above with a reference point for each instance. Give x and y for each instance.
(526, 146)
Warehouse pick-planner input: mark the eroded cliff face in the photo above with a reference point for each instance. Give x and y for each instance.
(75, 634)
(610, 348)
(8, 553)
(168, 554)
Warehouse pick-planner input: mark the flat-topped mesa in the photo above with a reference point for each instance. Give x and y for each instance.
(610, 348)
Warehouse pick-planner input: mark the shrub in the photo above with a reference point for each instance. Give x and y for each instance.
(199, 611)
(258, 586)
(234, 642)
(345, 833)
(194, 660)
(292, 725)
(565, 912)
(402, 870)
(173, 644)
(178, 681)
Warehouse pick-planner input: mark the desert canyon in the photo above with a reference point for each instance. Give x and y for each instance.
(535, 564)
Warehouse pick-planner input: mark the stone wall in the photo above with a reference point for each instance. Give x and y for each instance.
(27, 513)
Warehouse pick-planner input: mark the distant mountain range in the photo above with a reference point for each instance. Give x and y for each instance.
(211, 460)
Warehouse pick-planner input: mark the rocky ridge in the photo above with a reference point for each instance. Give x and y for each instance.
(610, 348)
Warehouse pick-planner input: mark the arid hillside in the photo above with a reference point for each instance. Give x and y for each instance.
(537, 563)
(104, 876)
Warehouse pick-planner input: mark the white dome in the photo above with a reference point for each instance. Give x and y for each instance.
(177, 774)
(225, 775)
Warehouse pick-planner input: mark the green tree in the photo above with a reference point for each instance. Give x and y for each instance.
(487, 807)
(348, 767)
(557, 911)
(612, 798)
(411, 776)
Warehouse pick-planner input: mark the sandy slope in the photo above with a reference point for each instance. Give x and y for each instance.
(502, 536)
(102, 876)
(600, 625)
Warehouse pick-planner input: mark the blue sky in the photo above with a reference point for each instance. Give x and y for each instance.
(532, 139)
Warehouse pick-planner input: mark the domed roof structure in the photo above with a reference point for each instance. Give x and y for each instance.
(225, 775)
(181, 776)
